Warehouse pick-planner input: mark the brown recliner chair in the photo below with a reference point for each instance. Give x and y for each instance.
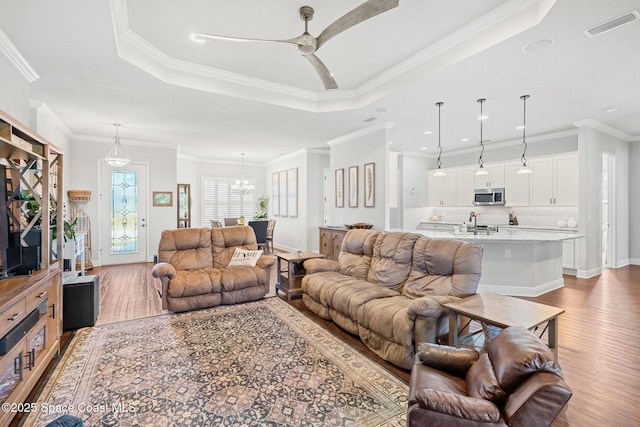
(517, 382)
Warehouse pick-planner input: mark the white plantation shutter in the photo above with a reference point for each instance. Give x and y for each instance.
(218, 202)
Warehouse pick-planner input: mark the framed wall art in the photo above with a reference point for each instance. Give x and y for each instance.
(162, 198)
(369, 185)
(283, 192)
(353, 187)
(339, 188)
(292, 192)
(275, 191)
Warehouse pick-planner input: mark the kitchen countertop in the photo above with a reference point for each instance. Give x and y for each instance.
(508, 235)
(501, 226)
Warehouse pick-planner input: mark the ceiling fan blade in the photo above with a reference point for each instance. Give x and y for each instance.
(366, 10)
(323, 72)
(200, 37)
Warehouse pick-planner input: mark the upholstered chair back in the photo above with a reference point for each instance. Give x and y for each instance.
(391, 260)
(225, 240)
(356, 252)
(186, 248)
(444, 267)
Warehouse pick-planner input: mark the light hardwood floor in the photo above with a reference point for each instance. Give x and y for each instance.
(599, 346)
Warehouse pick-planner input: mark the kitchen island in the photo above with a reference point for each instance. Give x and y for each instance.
(516, 262)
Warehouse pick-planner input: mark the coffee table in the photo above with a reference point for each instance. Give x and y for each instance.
(504, 311)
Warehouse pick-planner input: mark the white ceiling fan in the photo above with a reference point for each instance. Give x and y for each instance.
(307, 45)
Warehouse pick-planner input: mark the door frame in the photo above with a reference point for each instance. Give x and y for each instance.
(144, 249)
(610, 158)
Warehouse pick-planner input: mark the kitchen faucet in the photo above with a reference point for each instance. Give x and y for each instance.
(473, 216)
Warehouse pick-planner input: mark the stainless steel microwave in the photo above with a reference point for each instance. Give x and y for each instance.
(488, 196)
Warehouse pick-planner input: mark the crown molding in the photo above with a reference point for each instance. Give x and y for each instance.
(131, 142)
(16, 59)
(46, 111)
(609, 130)
(360, 132)
(505, 21)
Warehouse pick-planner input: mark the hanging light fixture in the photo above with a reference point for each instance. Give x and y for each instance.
(116, 157)
(242, 186)
(439, 171)
(481, 170)
(524, 168)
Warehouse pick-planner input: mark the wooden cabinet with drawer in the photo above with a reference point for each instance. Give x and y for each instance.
(331, 241)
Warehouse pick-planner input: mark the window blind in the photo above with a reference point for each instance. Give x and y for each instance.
(219, 202)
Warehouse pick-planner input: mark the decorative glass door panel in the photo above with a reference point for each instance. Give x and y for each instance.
(123, 231)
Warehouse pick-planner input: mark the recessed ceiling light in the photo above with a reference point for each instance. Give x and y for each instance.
(519, 127)
(611, 109)
(423, 148)
(483, 117)
(428, 132)
(381, 110)
(464, 139)
(197, 38)
(390, 142)
(538, 45)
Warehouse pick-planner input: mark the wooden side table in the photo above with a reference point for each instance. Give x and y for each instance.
(291, 271)
(503, 311)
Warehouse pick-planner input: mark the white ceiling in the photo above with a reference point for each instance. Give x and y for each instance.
(133, 62)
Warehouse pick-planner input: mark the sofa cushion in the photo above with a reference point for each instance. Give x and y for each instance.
(356, 252)
(236, 278)
(516, 353)
(225, 240)
(348, 295)
(186, 248)
(391, 261)
(188, 283)
(482, 382)
(444, 267)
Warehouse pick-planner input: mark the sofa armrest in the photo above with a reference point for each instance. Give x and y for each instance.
(163, 269)
(317, 265)
(453, 360)
(430, 306)
(457, 405)
(265, 262)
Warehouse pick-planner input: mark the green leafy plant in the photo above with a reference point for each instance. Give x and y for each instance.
(68, 229)
(263, 202)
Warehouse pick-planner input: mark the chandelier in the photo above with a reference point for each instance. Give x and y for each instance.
(242, 186)
(116, 157)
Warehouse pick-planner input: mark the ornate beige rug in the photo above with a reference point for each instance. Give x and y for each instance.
(255, 364)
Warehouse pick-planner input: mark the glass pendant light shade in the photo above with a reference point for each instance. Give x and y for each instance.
(116, 157)
(524, 168)
(481, 170)
(439, 171)
(242, 186)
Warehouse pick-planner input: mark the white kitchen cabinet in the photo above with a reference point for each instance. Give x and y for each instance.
(554, 181)
(516, 186)
(495, 178)
(465, 185)
(441, 190)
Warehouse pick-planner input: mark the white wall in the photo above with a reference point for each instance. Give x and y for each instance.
(14, 92)
(592, 144)
(634, 203)
(358, 151)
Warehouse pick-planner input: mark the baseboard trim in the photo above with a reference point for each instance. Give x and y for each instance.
(520, 291)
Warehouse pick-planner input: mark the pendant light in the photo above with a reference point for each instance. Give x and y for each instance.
(242, 186)
(116, 157)
(524, 168)
(439, 171)
(481, 170)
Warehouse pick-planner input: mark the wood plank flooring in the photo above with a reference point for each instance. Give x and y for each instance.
(599, 347)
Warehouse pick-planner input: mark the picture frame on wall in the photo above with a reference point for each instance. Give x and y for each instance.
(275, 191)
(353, 187)
(162, 198)
(339, 188)
(369, 185)
(292, 192)
(282, 178)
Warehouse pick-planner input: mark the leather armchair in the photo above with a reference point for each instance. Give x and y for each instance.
(517, 382)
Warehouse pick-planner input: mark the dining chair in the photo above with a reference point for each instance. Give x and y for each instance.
(271, 224)
(216, 224)
(260, 229)
(230, 221)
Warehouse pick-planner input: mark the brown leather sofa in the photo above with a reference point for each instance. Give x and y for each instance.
(517, 382)
(194, 268)
(389, 288)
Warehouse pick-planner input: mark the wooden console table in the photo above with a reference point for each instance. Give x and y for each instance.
(504, 311)
(291, 273)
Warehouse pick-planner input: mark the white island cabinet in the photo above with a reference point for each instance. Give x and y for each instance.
(516, 262)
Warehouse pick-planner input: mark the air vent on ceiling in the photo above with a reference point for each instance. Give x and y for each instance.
(612, 24)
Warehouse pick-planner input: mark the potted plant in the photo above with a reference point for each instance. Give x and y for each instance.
(263, 202)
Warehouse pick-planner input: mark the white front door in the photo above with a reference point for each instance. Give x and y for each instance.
(123, 212)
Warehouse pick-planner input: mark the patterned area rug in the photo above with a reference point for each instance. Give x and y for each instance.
(255, 364)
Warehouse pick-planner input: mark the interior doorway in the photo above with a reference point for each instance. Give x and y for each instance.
(608, 213)
(122, 214)
(325, 196)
